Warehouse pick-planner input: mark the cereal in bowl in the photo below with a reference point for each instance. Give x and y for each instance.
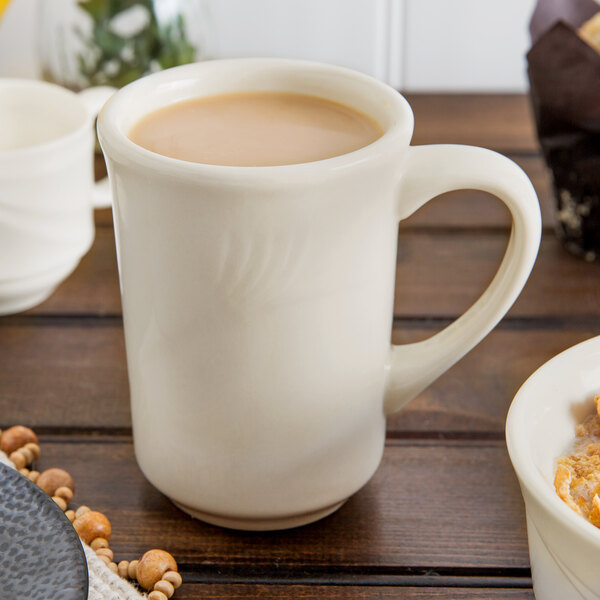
(577, 479)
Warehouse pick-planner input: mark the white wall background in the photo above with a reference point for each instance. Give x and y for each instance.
(416, 45)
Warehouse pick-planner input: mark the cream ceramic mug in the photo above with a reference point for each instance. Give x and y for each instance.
(47, 190)
(258, 301)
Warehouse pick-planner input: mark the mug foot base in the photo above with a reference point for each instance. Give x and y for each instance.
(260, 524)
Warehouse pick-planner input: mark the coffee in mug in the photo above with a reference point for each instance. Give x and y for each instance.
(254, 129)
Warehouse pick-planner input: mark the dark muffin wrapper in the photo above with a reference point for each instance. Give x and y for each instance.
(564, 76)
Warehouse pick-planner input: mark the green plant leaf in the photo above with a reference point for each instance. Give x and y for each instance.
(97, 9)
(167, 45)
(109, 44)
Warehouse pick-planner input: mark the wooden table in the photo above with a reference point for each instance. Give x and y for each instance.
(443, 516)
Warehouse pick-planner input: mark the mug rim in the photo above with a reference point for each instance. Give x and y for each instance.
(54, 143)
(520, 456)
(115, 142)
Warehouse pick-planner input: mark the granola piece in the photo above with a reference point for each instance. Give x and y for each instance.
(594, 514)
(577, 478)
(592, 449)
(588, 431)
(562, 483)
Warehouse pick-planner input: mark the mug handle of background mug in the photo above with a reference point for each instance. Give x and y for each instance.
(429, 172)
(94, 99)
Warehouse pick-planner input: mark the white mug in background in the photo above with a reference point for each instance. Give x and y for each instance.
(47, 190)
(258, 301)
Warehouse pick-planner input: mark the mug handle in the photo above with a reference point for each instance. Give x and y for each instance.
(94, 99)
(429, 172)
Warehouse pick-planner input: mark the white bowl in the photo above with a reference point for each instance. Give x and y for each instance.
(563, 547)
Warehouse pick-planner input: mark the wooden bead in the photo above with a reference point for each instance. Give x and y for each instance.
(65, 493)
(60, 502)
(16, 437)
(52, 479)
(105, 552)
(81, 510)
(123, 569)
(98, 543)
(105, 559)
(156, 595)
(33, 476)
(34, 448)
(152, 566)
(91, 525)
(113, 567)
(132, 569)
(165, 587)
(18, 458)
(70, 514)
(28, 454)
(174, 578)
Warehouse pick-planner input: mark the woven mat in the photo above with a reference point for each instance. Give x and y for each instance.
(104, 584)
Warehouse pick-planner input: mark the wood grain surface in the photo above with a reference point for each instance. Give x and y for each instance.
(431, 505)
(349, 592)
(70, 374)
(500, 122)
(443, 516)
(440, 273)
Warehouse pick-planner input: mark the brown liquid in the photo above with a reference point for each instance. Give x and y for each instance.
(255, 129)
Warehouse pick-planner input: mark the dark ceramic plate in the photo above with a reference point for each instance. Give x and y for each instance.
(41, 557)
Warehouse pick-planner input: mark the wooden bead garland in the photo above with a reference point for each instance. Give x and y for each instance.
(165, 587)
(174, 578)
(105, 552)
(156, 571)
(91, 525)
(21, 445)
(16, 437)
(123, 569)
(98, 543)
(60, 502)
(51, 480)
(82, 509)
(65, 493)
(152, 566)
(132, 569)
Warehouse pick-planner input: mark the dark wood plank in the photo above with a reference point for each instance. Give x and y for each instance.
(475, 394)
(498, 121)
(103, 217)
(193, 591)
(73, 375)
(440, 273)
(428, 506)
(63, 375)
